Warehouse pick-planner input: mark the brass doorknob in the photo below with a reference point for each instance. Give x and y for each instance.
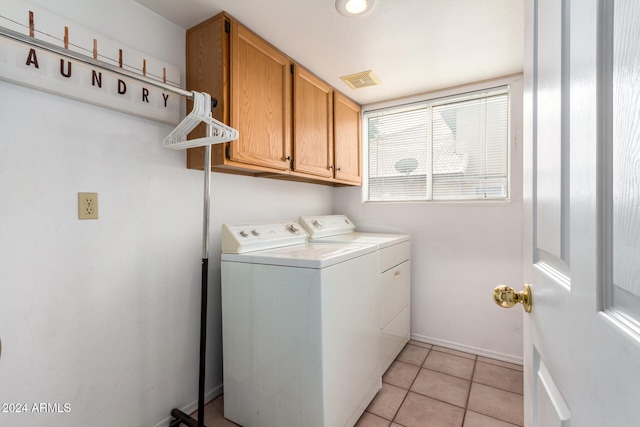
(506, 297)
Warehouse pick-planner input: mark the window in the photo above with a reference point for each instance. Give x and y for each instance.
(447, 149)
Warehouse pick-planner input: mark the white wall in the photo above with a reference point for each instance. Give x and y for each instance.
(104, 315)
(460, 252)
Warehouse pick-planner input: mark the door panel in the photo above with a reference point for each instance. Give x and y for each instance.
(552, 410)
(625, 174)
(581, 348)
(549, 182)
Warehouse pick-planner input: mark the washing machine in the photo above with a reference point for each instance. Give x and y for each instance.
(394, 269)
(299, 327)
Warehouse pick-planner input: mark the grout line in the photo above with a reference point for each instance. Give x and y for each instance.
(451, 375)
(409, 389)
(499, 366)
(466, 405)
(470, 381)
(495, 388)
(494, 418)
(498, 388)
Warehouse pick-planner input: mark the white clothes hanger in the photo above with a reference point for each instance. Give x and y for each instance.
(219, 132)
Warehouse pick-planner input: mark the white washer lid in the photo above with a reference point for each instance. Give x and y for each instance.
(382, 240)
(306, 255)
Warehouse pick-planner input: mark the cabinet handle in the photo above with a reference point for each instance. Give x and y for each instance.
(331, 167)
(288, 158)
(339, 169)
(396, 274)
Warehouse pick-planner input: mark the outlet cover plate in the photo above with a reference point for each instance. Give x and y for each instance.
(87, 205)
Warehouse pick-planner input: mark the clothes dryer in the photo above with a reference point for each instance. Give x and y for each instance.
(394, 269)
(300, 327)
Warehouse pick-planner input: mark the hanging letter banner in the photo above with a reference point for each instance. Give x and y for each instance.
(55, 73)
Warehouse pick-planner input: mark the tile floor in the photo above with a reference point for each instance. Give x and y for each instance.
(431, 386)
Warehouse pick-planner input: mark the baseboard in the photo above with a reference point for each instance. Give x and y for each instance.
(193, 406)
(469, 349)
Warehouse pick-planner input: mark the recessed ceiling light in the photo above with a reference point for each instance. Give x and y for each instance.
(353, 8)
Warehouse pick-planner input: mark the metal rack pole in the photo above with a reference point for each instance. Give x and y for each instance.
(181, 417)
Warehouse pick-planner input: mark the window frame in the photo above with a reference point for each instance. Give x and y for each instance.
(430, 100)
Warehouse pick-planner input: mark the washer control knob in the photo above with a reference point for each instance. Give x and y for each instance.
(244, 233)
(293, 228)
(255, 232)
(316, 223)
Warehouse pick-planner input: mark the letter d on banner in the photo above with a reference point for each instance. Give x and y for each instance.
(122, 87)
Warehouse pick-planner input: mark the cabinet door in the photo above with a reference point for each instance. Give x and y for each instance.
(313, 125)
(260, 101)
(347, 135)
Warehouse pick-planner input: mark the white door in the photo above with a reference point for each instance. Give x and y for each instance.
(582, 201)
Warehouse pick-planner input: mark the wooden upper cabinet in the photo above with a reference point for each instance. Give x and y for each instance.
(252, 82)
(260, 101)
(291, 124)
(347, 139)
(313, 124)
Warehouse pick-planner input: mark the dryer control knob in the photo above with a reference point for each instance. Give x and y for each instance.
(255, 232)
(293, 229)
(244, 233)
(316, 223)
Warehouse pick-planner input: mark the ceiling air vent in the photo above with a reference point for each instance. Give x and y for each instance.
(362, 79)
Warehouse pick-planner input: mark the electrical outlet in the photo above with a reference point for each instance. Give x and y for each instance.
(87, 205)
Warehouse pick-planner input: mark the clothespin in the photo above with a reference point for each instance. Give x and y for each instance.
(32, 25)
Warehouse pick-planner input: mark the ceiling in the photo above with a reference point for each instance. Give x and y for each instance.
(413, 46)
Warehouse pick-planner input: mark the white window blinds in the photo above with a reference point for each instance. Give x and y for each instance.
(449, 149)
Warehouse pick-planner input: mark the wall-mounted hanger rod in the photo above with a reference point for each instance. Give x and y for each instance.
(40, 44)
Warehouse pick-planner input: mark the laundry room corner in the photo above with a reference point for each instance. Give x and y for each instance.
(460, 253)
